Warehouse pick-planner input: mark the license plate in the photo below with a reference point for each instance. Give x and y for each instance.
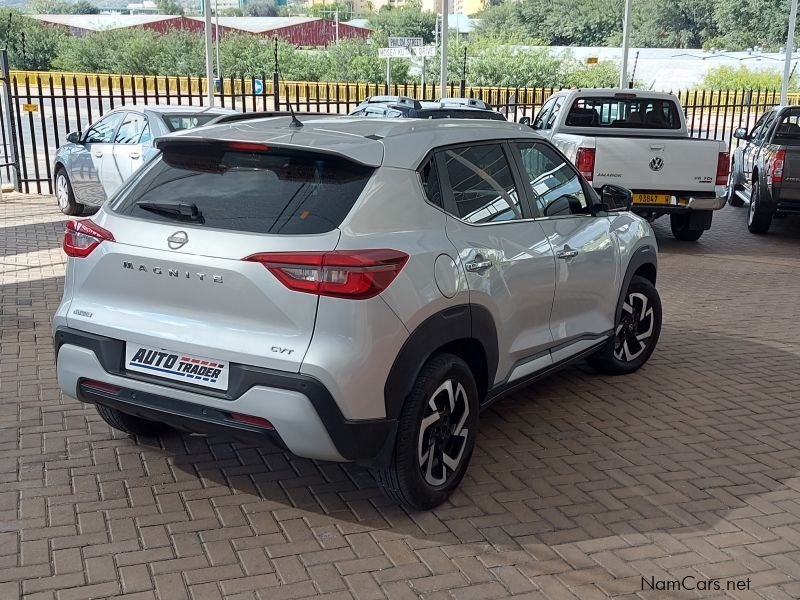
(179, 366)
(652, 199)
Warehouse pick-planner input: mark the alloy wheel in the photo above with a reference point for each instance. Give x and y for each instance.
(751, 211)
(442, 433)
(62, 191)
(635, 327)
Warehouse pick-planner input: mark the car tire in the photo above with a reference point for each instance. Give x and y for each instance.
(636, 332)
(759, 218)
(438, 422)
(129, 424)
(679, 223)
(732, 197)
(65, 196)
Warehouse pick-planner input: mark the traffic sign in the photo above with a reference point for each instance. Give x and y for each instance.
(424, 50)
(258, 86)
(405, 42)
(394, 52)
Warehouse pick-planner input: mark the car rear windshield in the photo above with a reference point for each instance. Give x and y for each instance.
(787, 132)
(181, 122)
(273, 192)
(627, 113)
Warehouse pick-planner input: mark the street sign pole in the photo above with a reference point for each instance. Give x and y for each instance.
(388, 74)
(209, 51)
(787, 65)
(626, 42)
(443, 72)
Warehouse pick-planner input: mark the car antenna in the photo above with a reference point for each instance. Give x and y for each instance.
(295, 121)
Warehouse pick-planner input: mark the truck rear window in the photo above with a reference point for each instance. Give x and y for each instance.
(624, 113)
(272, 192)
(787, 132)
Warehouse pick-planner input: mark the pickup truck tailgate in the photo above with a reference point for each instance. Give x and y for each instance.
(656, 164)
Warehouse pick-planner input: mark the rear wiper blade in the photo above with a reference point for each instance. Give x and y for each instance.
(176, 210)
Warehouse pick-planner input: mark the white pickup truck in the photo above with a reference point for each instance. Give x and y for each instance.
(639, 140)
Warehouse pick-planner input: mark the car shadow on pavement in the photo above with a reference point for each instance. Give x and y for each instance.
(678, 448)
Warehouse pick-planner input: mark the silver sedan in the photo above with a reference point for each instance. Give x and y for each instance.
(93, 164)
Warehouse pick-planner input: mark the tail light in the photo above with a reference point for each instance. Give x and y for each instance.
(777, 166)
(723, 166)
(83, 236)
(355, 274)
(584, 160)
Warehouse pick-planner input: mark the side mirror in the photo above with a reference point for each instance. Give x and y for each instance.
(74, 137)
(741, 134)
(616, 198)
(525, 121)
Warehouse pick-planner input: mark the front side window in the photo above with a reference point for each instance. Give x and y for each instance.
(631, 113)
(541, 119)
(759, 124)
(765, 127)
(556, 186)
(482, 184)
(102, 132)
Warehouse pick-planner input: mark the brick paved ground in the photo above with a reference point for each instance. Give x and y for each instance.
(578, 487)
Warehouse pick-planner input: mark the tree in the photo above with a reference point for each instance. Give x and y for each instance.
(406, 21)
(169, 7)
(750, 23)
(30, 44)
(676, 24)
(261, 8)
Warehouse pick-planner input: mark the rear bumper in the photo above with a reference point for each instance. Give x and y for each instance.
(305, 417)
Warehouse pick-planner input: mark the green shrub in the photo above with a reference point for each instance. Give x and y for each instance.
(743, 78)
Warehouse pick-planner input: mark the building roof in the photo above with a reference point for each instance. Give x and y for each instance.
(102, 22)
(259, 24)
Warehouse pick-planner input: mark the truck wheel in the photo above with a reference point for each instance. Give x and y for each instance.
(636, 333)
(733, 199)
(759, 218)
(128, 423)
(679, 223)
(435, 436)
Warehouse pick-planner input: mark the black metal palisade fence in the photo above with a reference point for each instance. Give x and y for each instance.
(40, 108)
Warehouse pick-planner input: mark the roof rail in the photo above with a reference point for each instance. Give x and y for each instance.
(405, 100)
(470, 102)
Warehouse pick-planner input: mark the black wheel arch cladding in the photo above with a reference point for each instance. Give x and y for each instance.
(464, 322)
(643, 262)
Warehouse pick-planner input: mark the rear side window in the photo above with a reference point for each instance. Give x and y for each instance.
(482, 184)
(624, 113)
(181, 122)
(430, 183)
(274, 192)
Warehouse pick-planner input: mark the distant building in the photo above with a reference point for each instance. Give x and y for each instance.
(468, 7)
(148, 7)
(301, 31)
(80, 25)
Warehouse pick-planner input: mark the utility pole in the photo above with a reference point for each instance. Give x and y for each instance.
(789, 51)
(216, 36)
(336, 19)
(209, 50)
(443, 74)
(626, 42)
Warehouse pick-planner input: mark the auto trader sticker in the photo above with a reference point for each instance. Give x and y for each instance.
(178, 366)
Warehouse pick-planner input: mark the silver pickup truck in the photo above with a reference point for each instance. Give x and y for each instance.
(639, 140)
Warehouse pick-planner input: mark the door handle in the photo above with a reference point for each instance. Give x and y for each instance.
(567, 253)
(134, 154)
(98, 154)
(476, 266)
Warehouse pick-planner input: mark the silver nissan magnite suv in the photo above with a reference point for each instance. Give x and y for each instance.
(350, 289)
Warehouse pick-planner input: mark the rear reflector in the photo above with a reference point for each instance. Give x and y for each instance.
(354, 274)
(777, 166)
(101, 386)
(251, 420)
(584, 160)
(82, 236)
(723, 166)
